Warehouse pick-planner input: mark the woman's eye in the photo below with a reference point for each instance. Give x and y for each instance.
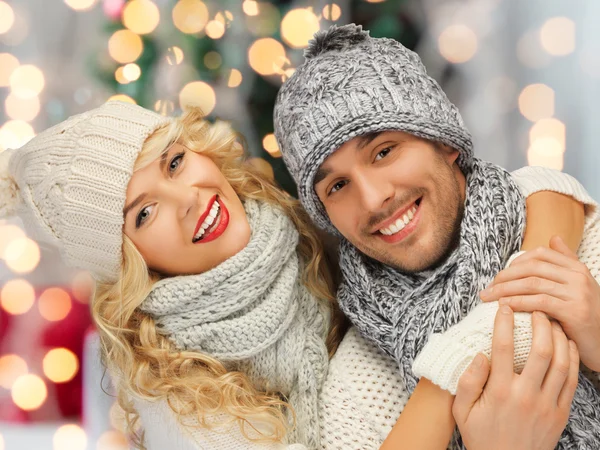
(337, 186)
(383, 153)
(175, 162)
(143, 216)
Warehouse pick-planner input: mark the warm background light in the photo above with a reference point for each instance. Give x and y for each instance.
(198, 94)
(536, 102)
(549, 129)
(190, 16)
(82, 287)
(557, 36)
(54, 304)
(81, 5)
(164, 107)
(11, 368)
(17, 296)
(8, 64)
(235, 78)
(8, 233)
(174, 56)
(124, 46)
(546, 152)
(120, 76)
(7, 17)
(70, 437)
(60, 365)
(250, 7)
(141, 16)
(22, 255)
(29, 392)
(25, 109)
(27, 81)
(213, 60)
(122, 98)
(332, 11)
(215, 29)
(112, 440)
(266, 56)
(16, 133)
(131, 72)
(270, 145)
(457, 43)
(298, 27)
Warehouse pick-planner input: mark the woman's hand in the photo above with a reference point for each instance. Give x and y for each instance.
(513, 412)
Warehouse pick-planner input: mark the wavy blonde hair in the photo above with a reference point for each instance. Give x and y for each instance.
(146, 364)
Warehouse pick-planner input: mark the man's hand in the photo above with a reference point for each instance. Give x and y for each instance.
(554, 281)
(518, 412)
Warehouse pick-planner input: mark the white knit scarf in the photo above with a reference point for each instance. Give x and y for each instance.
(253, 313)
(399, 311)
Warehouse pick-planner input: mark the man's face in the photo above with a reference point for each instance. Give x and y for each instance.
(398, 198)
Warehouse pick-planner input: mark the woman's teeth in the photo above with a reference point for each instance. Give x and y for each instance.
(400, 223)
(208, 221)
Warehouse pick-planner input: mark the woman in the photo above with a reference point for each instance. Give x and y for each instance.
(214, 302)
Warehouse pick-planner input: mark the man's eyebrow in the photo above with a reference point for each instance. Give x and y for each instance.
(133, 204)
(366, 139)
(321, 174)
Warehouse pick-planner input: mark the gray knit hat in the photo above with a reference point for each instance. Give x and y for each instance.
(68, 183)
(352, 84)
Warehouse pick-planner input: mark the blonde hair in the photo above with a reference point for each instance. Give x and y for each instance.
(145, 363)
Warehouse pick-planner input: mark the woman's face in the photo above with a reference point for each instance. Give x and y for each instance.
(182, 214)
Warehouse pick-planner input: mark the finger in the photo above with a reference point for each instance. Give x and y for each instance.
(503, 346)
(558, 244)
(548, 255)
(470, 386)
(568, 391)
(525, 286)
(534, 268)
(556, 308)
(560, 364)
(541, 352)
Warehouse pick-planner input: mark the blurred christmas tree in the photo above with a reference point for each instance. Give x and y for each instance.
(228, 56)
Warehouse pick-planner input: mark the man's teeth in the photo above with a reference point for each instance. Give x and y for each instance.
(400, 223)
(210, 219)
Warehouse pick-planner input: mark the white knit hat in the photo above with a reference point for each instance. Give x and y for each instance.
(68, 184)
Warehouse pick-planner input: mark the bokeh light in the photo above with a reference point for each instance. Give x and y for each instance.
(54, 304)
(190, 16)
(69, 437)
(332, 11)
(112, 440)
(18, 108)
(266, 22)
(81, 5)
(250, 7)
(8, 64)
(536, 102)
(457, 43)
(530, 52)
(131, 72)
(14, 134)
(549, 129)
(7, 17)
(27, 81)
(29, 392)
(60, 365)
(164, 107)
(2, 444)
(82, 287)
(266, 56)
(198, 94)
(270, 145)
(120, 75)
(9, 233)
(557, 36)
(124, 46)
(22, 255)
(121, 98)
(375, 1)
(174, 56)
(17, 296)
(235, 78)
(141, 16)
(215, 29)
(546, 152)
(11, 368)
(213, 60)
(298, 27)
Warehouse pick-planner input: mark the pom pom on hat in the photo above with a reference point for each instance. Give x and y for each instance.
(9, 191)
(335, 38)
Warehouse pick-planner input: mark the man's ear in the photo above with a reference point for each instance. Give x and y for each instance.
(450, 153)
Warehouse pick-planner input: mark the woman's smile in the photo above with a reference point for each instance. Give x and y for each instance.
(212, 223)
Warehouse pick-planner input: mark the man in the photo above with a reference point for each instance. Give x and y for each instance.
(382, 158)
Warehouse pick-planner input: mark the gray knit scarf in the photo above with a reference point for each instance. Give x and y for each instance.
(254, 314)
(399, 311)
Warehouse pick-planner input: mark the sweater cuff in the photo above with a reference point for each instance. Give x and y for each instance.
(442, 361)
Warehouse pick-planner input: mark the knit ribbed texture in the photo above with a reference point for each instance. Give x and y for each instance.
(72, 181)
(253, 313)
(352, 84)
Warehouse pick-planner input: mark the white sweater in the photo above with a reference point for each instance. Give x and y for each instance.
(363, 394)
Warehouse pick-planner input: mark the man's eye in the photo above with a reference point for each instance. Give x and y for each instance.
(383, 153)
(175, 162)
(142, 216)
(337, 186)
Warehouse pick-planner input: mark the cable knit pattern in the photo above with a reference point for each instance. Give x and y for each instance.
(400, 312)
(253, 313)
